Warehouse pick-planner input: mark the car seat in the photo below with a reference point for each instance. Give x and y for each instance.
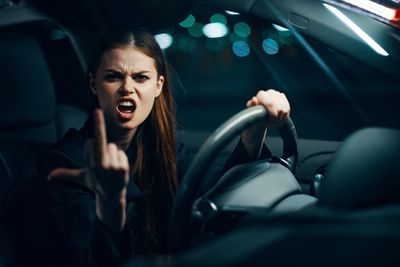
(365, 171)
(7, 247)
(30, 119)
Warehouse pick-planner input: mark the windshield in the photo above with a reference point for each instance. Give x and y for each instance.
(223, 58)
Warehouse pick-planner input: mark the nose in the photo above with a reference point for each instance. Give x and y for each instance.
(127, 87)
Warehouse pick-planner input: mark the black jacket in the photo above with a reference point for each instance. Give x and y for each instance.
(56, 224)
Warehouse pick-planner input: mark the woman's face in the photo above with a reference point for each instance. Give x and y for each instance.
(126, 85)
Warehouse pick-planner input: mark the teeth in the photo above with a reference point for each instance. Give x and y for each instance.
(126, 104)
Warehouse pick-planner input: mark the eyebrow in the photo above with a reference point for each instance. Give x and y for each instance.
(119, 71)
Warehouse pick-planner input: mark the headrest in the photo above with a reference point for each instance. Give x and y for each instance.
(27, 95)
(365, 171)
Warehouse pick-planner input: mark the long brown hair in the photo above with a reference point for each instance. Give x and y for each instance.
(155, 165)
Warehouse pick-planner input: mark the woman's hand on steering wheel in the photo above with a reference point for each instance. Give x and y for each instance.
(276, 104)
(278, 109)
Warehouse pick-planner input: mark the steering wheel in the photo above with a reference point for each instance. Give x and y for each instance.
(198, 173)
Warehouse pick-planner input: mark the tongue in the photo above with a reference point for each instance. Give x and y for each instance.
(125, 109)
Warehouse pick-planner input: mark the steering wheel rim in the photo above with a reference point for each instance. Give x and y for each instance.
(196, 175)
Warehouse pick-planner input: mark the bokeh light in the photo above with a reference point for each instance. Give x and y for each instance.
(215, 30)
(270, 46)
(188, 22)
(218, 18)
(240, 48)
(196, 30)
(242, 29)
(164, 40)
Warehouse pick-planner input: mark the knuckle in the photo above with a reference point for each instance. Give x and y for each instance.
(105, 164)
(112, 146)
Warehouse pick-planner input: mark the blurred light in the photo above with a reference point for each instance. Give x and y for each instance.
(270, 46)
(218, 18)
(57, 34)
(376, 8)
(357, 30)
(240, 48)
(214, 45)
(196, 30)
(215, 30)
(188, 22)
(233, 37)
(242, 29)
(164, 40)
(280, 28)
(231, 13)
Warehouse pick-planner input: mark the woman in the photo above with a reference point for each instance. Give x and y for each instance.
(117, 175)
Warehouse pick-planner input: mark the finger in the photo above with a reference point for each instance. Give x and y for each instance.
(273, 113)
(248, 103)
(285, 103)
(89, 152)
(288, 109)
(71, 175)
(282, 118)
(255, 101)
(252, 102)
(113, 155)
(123, 160)
(100, 133)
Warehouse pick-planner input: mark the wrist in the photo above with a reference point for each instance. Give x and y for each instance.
(253, 139)
(111, 209)
(111, 197)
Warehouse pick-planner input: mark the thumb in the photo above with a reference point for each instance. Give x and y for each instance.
(72, 175)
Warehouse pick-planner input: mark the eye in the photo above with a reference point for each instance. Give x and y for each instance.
(112, 77)
(141, 78)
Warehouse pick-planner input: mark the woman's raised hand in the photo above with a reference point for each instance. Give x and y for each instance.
(107, 173)
(107, 170)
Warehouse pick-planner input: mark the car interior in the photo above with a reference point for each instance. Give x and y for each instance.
(330, 194)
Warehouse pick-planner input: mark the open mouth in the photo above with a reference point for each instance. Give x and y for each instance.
(126, 108)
